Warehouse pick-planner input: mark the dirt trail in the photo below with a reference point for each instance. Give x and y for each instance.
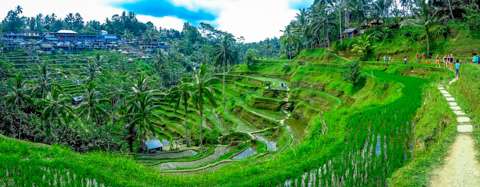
(461, 168)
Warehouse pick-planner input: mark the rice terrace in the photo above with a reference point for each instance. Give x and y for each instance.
(287, 93)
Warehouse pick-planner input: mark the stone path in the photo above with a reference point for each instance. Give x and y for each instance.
(461, 168)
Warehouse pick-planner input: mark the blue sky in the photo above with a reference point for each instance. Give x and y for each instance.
(253, 19)
(162, 8)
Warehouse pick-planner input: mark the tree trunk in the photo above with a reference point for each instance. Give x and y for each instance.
(450, 8)
(201, 126)
(340, 23)
(428, 41)
(185, 125)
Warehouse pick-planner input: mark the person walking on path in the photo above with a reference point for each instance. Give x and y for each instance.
(405, 60)
(457, 69)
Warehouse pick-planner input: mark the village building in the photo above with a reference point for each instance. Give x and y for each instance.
(350, 33)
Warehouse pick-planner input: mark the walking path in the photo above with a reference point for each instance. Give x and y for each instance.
(461, 168)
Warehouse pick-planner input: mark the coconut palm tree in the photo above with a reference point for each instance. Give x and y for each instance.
(429, 17)
(91, 108)
(203, 94)
(142, 121)
(224, 53)
(183, 93)
(57, 112)
(16, 102)
(44, 80)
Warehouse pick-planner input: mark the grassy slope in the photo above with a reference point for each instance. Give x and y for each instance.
(467, 93)
(434, 133)
(317, 149)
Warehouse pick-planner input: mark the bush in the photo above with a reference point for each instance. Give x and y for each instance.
(353, 73)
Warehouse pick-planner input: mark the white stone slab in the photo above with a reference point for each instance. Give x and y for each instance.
(450, 99)
(456, 108)
(459, 113)
(446, 95)
(463, 119)
(464, 128)
(452, 104)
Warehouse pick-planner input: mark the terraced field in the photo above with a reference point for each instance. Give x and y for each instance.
(296, 123)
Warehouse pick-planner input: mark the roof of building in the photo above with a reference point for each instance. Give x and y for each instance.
(66, 32)
(153, 144)
(350, 30)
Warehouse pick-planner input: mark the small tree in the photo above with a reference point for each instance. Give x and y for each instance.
(472, 17)
(250, 58)
(362, 47)
(352, 75)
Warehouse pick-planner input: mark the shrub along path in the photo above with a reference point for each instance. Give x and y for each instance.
(460, 167)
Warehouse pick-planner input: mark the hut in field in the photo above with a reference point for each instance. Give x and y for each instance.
(350, 33)
(154, 145)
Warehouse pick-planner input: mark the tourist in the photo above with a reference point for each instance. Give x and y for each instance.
(457, 69)
(475, 58)
(405, 60)
(437, 61)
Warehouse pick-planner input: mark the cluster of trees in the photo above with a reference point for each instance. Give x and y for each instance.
(115, 114)
(126, 24)
(322, 24)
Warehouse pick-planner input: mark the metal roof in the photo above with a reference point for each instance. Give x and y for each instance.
(66, 32)
(153, 144)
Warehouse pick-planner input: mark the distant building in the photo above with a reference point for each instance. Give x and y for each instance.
(350, 33)
(153, 145)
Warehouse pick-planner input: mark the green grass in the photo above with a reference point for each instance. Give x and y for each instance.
(385, 109)
(467, 92)
(435, 130)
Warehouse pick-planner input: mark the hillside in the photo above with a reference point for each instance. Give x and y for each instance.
(333, 120)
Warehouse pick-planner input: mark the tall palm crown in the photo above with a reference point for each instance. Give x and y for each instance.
(142, 120)
(203, 93)
(92, 109)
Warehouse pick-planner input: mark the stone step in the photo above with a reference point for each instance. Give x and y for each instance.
(450, 99)
(446, 95)
(464, 128)
(459, 113)
(456, 108)
(463, 119)
(452, 104)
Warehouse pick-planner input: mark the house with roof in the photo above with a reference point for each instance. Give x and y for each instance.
(350, 33)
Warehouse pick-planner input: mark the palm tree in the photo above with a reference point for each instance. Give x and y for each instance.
(16, 102)
(224, 54)
(91, 109)
(183, 94)
(429, 17)
(203, 93)
(291, 41)
(44, 81)
(57, 111)
(93, 68)
(142, 120)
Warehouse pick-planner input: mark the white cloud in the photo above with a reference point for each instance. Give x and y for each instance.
(166, 22)
(253, 19)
